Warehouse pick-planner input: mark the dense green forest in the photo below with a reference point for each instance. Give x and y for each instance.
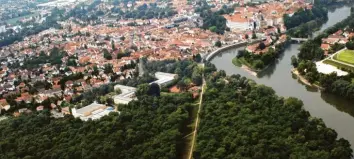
(311, 51)
(148, 128)
(240, 119)
(305, 21)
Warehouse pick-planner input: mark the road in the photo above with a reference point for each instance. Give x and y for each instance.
(197, 121)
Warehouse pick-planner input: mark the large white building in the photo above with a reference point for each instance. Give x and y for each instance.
(93, 111)
(127, 95)
(164, 78)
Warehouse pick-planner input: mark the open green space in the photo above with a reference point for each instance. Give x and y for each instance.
(346, 56)
(338, 65)
(241, 61)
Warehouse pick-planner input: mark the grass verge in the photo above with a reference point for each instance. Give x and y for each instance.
(338, 65)
(346, 56)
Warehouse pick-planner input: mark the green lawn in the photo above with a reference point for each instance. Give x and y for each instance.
(346, 56)
(241, 61)
(338, 65)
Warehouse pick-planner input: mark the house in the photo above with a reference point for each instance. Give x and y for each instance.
(93, 111)
(325, 47)
(237, 22)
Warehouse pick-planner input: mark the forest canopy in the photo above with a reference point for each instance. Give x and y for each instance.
(240, 119)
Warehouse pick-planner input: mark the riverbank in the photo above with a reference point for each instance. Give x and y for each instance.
(304, 80)
(242, 63)
(336, 112)
(209, 56)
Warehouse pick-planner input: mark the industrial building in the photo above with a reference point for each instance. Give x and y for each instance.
(93, 111)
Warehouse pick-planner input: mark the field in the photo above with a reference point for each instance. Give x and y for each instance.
(346, 56)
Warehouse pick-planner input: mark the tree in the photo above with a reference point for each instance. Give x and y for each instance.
(218, 43)
(197, 79)
(254, 36)
(213, 28)
(350, 45)
(258, 64)
(142, 90)
(261, 46)
(95, 71)
(108, 68)
(107, 55)
(154, 90)
(122, 38)
(197, 58)
(181, 85)
(113, 46)
(294, 61)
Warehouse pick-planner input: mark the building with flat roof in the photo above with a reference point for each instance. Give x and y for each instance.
(127, 95)
(93, 111)
(164, 78)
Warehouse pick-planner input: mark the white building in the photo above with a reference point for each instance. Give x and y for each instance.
(2, 28)
(93, 111)
(127, 95)
(164, 78)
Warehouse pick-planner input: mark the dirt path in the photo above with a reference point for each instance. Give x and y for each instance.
(197, 121)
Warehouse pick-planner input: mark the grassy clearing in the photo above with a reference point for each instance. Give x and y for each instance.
(241, 61)
(346, 56)
(338, 65)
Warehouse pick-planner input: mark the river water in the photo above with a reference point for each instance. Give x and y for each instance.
(337, 113)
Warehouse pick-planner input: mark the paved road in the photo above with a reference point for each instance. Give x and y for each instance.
(197, 121)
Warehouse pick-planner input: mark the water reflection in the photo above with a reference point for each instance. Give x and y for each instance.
(341, 105)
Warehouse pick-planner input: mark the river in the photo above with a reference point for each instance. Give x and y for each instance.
(337, 113)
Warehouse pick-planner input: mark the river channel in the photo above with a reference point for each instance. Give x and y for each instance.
(337, 113)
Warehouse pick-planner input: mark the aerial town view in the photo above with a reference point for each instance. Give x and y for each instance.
(202, 79)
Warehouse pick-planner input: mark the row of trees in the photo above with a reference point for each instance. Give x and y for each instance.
(247, 120)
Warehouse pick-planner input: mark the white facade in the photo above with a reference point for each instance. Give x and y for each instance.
(127, 95)
(2, 28)
(237, 25)
(164, 78)
(93, 111)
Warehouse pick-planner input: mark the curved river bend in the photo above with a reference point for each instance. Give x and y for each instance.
(337, 113)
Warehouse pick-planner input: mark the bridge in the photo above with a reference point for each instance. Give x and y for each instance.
(299, 39)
